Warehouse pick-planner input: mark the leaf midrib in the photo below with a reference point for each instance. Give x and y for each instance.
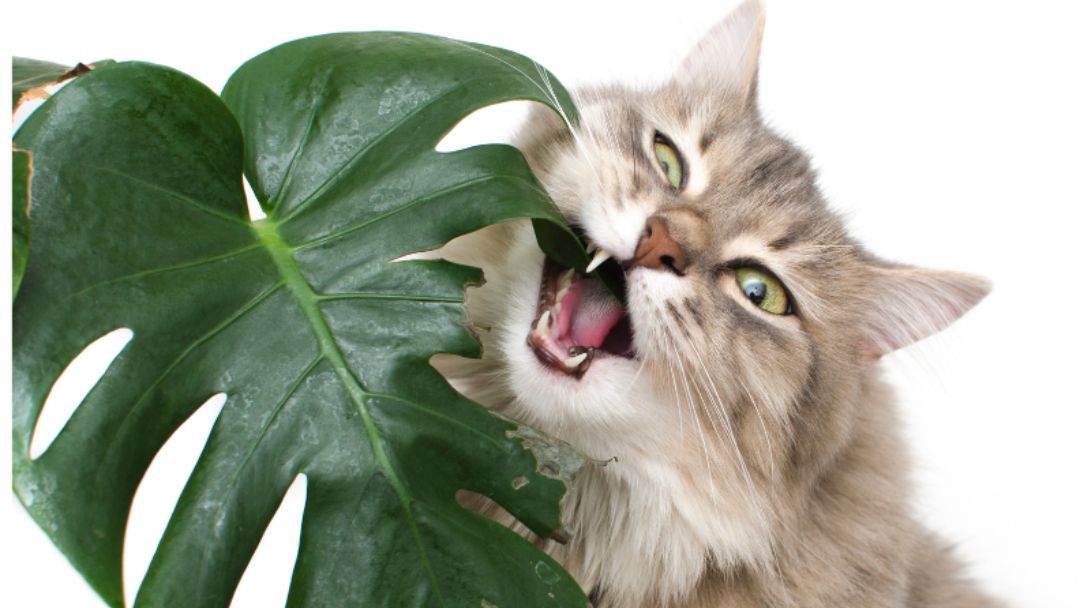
(281, 253)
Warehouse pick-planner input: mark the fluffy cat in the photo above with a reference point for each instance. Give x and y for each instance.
(751, 453)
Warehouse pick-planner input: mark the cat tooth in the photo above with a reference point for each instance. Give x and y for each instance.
(564, 286)
(590, 247)
(545, 321)
(601, 256)
(566, 279)
(559, 296)
(576, 360)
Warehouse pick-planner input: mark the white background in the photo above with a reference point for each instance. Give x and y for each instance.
(946, 131)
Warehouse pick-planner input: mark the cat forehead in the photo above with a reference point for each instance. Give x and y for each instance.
(742, 178)
(667, 104)
(696, 122)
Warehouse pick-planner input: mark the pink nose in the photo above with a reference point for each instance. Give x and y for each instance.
(658, 250)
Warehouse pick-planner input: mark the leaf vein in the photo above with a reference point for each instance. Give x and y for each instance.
(299, 148)
(182, 266)
(174, 194)
(441, 416)
(387, 131)
(389, 296)
(396, 210)
(231, 484)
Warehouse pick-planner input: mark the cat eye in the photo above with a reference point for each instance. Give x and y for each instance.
(763, 289)
(671, 163)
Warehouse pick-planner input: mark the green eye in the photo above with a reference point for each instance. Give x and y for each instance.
(670, 162)
(763, 289)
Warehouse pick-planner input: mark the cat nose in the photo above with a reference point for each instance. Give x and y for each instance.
(656, 249)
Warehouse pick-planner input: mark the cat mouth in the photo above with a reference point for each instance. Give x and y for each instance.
(578, 321)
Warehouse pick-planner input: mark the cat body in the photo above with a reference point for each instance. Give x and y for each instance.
(745, 451)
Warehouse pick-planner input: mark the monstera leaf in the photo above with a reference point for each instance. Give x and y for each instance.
(319, 339)
(20, 218)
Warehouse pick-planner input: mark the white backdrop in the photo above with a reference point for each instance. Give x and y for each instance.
(946, 131)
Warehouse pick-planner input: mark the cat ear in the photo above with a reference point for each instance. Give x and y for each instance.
(909, 304)
(726, 58)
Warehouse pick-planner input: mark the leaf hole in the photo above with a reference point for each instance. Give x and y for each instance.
(491, 124)
(74, 384)
(267, 577)
(255, 212)
(159, 490)
(482, 505)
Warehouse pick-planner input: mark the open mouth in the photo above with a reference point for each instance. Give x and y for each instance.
(578, 321)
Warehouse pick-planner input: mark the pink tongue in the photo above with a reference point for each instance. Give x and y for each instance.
(589, 313)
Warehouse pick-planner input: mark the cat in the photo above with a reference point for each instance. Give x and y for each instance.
(747, 452)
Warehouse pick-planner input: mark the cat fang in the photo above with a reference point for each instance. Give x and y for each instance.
(578, 322)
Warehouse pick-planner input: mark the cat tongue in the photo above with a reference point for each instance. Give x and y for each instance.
(588, 312)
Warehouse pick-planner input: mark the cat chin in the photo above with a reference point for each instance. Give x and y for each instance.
(612, 396)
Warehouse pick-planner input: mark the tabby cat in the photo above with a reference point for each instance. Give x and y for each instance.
(747, 452)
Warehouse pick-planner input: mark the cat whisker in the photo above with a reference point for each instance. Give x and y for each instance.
(706, 452)
(630, 386)
(709, 454)
(764, 427)
(754, 495)
(678, 403)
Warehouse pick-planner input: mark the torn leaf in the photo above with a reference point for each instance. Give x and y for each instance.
(32, 78)
(555, 459)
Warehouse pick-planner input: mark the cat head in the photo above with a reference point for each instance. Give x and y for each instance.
(743, 289)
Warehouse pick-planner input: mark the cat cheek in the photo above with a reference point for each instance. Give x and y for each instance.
(563, 183)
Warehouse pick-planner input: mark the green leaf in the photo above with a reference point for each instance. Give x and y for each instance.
(320, 342)
(20, 216)
(30, 74)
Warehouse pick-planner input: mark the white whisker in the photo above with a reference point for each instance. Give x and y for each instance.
(764, 427)
(760, 507)
(694, 411)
